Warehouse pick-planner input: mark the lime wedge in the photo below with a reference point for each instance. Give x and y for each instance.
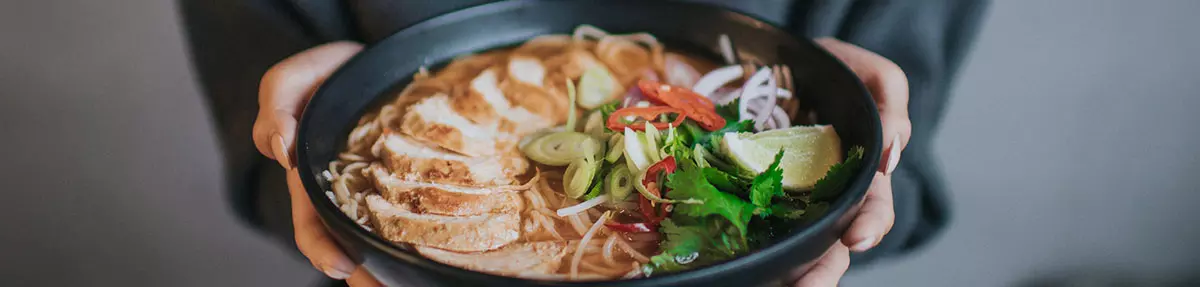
(808, 152)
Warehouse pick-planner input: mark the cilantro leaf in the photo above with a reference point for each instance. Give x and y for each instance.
(828, 187)
(691, 243)
(729, 111)
(724, 181)
(689, 183)
(768, 185)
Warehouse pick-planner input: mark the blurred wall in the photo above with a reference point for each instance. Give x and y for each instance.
(1070, 146)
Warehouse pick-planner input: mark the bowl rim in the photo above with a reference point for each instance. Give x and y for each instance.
(848, 199)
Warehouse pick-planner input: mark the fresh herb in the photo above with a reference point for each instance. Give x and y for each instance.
(768, 185)
(689, 183)
(608, 109)
(726, 182)
(597, 185)
(828, 187)
(729, 111)
(690, 243)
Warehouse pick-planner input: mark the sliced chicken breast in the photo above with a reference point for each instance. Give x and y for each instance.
(433, 198)
(433, 120)
(517, 259)
(411, 160)
(518, 120)
(455, 233)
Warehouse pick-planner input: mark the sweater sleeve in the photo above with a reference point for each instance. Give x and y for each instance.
(232, 43)
(927, 39)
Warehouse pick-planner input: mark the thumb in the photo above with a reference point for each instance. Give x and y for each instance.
(284, 91)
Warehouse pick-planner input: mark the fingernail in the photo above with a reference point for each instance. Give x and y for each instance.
(281, 151)
(334, 273)
(864, 245)
(893, 155)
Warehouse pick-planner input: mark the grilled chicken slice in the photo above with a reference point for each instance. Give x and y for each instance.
(433, 198)
(414, 161)
(515, 120)
(527, 70)
(455, 233)
(517, 259)
(433, 120)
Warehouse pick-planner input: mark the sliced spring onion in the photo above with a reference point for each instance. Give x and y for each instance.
(616, 147)
(582, 206)
(578, 176)
(560, 148)
(596, 87)
(619, 183)
(571, 111)
(650, 142)
(635, 153)
(641, 188)
(594, 125)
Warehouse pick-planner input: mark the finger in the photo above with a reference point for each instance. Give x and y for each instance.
(888, 86)
(311, 238)
(875, 218)
(285, 90)
(828, 270)
(362, 278)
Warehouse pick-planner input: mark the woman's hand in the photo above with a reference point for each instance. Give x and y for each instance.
(889, 87)
(284, 91)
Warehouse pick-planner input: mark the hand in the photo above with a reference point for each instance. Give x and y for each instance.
(284, 91)
(889, 87)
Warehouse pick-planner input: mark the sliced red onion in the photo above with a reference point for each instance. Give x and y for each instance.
(717, 78)
(748, 91)
(680, 73)
(633, 96)
(725, 95)
(726, 46)
(765, 115)
(779, 119)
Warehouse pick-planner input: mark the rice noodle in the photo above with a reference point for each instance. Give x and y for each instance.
(584, 241)
(638, 256)
(726, 46)
(577, 224)
(550, 227)
(608, 248)
(584, 32)
(575, 209)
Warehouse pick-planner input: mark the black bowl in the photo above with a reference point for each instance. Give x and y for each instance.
(826, 87)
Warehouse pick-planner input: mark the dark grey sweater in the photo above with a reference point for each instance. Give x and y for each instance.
(233, 42)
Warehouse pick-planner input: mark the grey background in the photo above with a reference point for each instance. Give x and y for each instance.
(1070, 146)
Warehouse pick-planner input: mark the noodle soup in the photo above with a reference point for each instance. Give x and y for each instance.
(589, 156)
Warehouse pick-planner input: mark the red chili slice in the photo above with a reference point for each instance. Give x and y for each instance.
(616, 121)
(654, 215)
(694, 106)
(629, 227)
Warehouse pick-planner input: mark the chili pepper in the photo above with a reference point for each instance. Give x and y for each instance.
(654, 215)
(629, 227)
(616, 119)
(699, 108)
